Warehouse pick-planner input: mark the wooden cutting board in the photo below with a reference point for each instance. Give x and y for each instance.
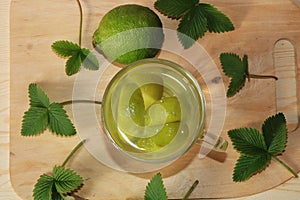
(35, 25)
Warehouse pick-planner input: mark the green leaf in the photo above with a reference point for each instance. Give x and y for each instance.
(275, 133)
(246, 65)
(196, 19)
(192, 26)
(236, 68)
(66, 180)
(216, 21)
(59, 121)
(37, 96)
(155, 189)
(232, 65)
(56, 195)
(43, 188)
(175, 8)
(89, 60)
(247, 166)
(73, 64)
(65, 48)
(235, 85)
(35, 121)
(257, 149)
(248, 141)
(76, 56)
(53, 188)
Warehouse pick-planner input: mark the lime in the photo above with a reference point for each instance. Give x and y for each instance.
(147, 144)
(168, 107)
(166, 134)
(131, 112)
(129, 33)
(151, 87)
(151, 92)
(148, 128)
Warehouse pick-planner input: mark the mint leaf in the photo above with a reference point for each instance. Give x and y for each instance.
(42, 115)
(155, 189)
(236, 68)
(59, 121)
(54, 187)
(233, 65)
(248, 141)
(37, 96)
(192, 26)
(196, 19)
(56, 195)
(65, 48)
(235, 85)
(43, 188)
(73, 64)
(275, 133)
(257, 149)
(246, 66)
(35, 121)
(247, 166)
(89, 59)
(66, 180)
(76, 56)
(175, 8)
(217, 22)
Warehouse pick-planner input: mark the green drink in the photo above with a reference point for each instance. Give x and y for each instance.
(153, 110)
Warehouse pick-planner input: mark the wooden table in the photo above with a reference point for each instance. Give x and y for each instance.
(288, 190)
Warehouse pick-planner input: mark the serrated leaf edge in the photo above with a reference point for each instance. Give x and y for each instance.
(149, 185)
(169, 16)
(261, 169)
(62, 172)
(64, 41)
(65, 116)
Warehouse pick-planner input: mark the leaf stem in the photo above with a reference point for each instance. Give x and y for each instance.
(80, 24)
(79, 101)
(262, 76)
(285, 166)
(187, 195)
(73, 152)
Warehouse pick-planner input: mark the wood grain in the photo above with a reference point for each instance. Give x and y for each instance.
(33, 31)
(297, 2)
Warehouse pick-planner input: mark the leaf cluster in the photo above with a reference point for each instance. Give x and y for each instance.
(195, 19)
(236, 68)
(56, 186)
(76, 56)
(42, 115)
(258, 149)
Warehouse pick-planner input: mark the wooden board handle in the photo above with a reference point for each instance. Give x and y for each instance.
(286, 86)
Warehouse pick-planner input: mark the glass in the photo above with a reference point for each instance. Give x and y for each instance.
(126, 132)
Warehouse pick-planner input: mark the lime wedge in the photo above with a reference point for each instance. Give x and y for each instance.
(168, 107)
(166, 134)
(151, 87)
(151, 92)
(131, 112)
(147, 144)
(136, 108)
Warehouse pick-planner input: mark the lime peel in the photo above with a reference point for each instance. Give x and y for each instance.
(128, 33)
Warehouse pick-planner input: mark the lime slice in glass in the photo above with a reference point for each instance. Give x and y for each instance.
(167, 134)
(169, 107)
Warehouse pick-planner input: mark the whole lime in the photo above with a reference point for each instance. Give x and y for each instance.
(129, 33)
